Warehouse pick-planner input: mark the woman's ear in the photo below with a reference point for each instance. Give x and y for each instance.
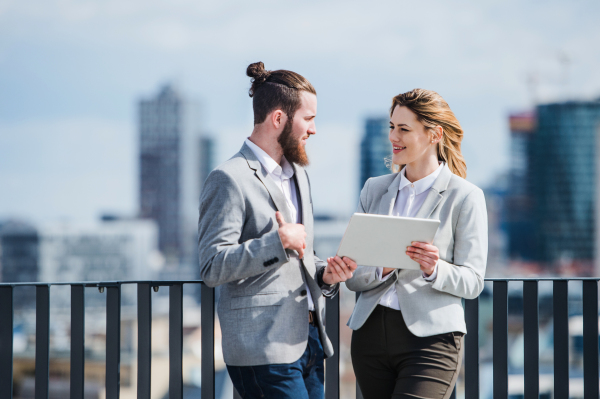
(438, 132)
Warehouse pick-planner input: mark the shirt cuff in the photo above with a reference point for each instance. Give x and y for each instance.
(326, 289)
(379, 273)
(330, 291)
(433, 276)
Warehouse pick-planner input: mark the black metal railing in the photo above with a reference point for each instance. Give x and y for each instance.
(144, 309)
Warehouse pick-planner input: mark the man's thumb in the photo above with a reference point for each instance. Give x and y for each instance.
(280, 219)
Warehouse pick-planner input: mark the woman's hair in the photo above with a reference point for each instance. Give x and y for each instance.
(432, 110)
(273, 90)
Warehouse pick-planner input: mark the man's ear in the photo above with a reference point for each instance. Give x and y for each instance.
(278, 118)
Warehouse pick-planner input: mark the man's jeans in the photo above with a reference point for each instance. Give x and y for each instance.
(302, 379)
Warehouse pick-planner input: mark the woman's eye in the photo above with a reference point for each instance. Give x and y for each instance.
(404, 130)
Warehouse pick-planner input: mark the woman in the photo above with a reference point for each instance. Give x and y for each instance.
(409, 324)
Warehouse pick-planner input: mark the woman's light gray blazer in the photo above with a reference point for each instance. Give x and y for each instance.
(430, 308)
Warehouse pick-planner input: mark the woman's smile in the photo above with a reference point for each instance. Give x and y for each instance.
(397, 149)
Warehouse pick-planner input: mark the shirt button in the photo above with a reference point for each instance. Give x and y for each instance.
(412, 185)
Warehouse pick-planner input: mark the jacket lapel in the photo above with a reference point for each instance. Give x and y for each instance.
(434, 196)
(274, 191)
(307, 216)
(389, 199)
(305, 203)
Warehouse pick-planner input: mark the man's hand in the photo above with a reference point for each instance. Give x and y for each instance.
(292, 235)
(427, 255)
(338, 270)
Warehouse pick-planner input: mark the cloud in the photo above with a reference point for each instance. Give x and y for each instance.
(64, 61)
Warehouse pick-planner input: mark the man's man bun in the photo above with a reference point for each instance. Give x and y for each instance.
(259, 75)
(275, 89)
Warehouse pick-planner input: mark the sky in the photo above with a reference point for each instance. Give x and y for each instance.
(72, 72)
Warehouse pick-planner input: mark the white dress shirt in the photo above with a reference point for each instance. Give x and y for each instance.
(409, 200)
(282, 176)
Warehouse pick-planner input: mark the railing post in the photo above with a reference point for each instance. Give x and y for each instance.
(590, 339)
(176, 341)
(77, 341)
(531, 338)
(42, 341)
(359, 394)
(113, 342)
(144, 294)
(560, 303)
(207, 319)
(500, 337)
(332, 369)
(472, 349)
(6, 342)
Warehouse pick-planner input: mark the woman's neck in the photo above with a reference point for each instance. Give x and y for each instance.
(421, 168)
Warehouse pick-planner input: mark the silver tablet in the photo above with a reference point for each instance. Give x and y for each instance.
(381, 241)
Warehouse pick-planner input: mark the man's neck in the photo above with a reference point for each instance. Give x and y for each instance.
(267, 144)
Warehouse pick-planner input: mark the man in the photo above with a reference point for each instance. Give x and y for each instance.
(256, 244)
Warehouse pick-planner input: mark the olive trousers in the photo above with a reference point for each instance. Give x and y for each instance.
(391, 362)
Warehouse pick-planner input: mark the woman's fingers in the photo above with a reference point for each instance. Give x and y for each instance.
(421, 257)
(423, 246)
(427, 264)
(424, 255)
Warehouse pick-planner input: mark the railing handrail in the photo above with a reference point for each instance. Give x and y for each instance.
(145, 287)
(105, 283)
(164, 283)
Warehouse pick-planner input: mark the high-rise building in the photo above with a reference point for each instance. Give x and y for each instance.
(175, 159)
(19, 258)
(519, 202)
(564, 181)
(375, 147)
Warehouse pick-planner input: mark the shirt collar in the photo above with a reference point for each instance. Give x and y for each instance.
(284, 170)
(420, 185)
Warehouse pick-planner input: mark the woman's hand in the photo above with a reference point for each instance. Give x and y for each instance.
(427, 255)
(338, 270)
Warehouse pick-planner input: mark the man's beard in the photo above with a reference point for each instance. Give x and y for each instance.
(293, 150)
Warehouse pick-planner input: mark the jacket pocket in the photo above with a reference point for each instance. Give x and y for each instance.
(256, 300)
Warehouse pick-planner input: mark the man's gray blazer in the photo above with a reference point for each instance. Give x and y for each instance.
(263, 305)
(430, 308)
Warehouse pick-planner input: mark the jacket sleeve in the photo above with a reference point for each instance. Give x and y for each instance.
(329, 291)
(464, 278)
(364, 278)
(222, 257)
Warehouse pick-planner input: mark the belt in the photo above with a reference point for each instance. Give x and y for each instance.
(312, 317)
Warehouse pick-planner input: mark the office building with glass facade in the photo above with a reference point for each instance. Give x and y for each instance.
(564, 183)
(519, 203)
(375, 147)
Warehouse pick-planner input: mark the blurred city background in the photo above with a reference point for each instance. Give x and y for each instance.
(113, 113)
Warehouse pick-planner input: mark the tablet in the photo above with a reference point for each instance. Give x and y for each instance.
(381, 241)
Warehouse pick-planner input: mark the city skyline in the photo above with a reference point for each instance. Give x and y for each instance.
(72, 74)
